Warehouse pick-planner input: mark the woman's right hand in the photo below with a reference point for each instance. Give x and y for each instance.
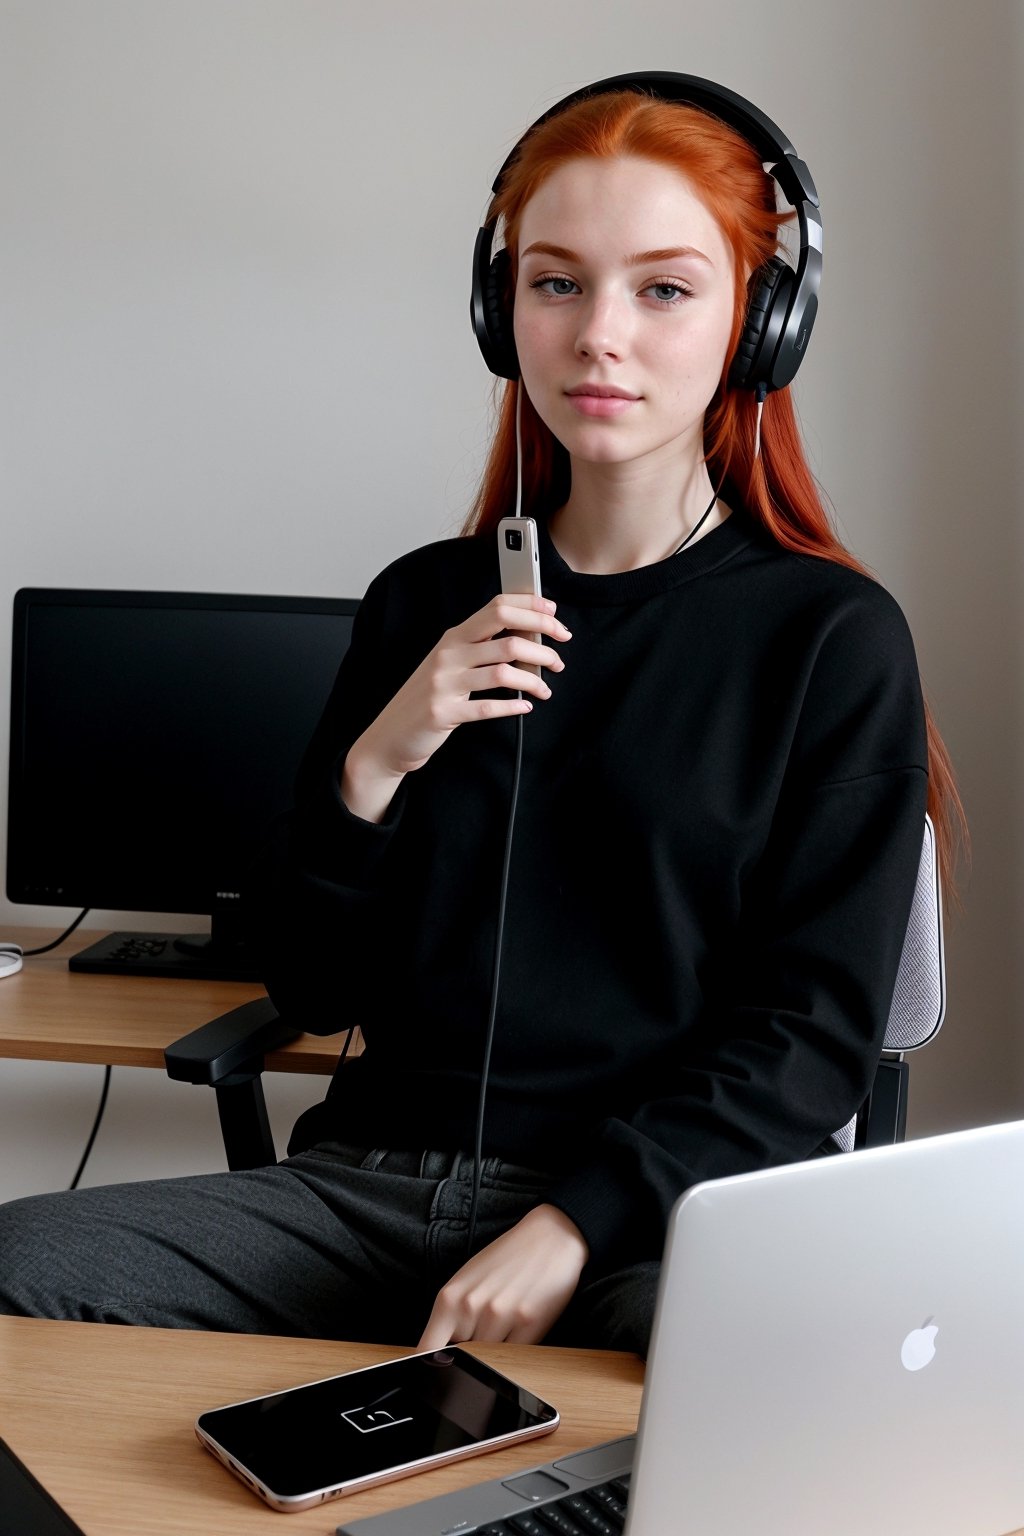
(471, 658)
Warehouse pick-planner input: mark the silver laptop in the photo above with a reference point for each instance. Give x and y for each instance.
(838, 1350)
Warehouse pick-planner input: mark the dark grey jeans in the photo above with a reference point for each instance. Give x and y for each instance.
(337, 1242)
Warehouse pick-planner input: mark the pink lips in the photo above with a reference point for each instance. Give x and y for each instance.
(600, 400)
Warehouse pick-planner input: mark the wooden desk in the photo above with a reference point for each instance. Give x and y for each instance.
(48, 1013)
(103, 1416)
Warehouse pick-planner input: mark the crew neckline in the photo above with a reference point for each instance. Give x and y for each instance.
(558, 579)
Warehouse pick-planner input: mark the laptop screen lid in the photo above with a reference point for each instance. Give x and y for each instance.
(839, 1348)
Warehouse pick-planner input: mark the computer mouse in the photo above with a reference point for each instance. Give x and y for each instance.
(10, 959)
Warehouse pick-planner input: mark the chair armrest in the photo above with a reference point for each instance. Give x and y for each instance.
(233, 1043)
(883, 1117)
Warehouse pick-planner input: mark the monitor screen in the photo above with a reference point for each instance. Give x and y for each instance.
(154, 736)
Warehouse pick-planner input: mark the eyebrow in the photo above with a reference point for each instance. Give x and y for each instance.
(639, 259)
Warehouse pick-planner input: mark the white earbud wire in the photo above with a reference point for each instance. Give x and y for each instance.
(519, 450)
(762, 390)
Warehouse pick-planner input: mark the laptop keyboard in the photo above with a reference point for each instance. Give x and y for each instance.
(599, 1511)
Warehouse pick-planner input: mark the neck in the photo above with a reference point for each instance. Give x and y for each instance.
(620, 517)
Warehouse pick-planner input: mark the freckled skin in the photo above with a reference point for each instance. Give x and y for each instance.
(658, 330)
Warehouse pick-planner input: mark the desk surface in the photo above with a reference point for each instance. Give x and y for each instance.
(103, 1416)
(48, 1013)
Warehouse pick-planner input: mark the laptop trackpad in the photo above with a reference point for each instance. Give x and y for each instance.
(536, 1485)
(602, 1462)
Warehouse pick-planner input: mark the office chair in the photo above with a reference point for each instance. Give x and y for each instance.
(915, 1018)
(227, 1054)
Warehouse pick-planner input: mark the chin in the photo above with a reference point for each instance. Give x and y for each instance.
(604, 447)
(596, 453)
(599, 441)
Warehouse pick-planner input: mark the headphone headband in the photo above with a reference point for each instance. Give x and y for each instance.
(690, 90)
(783, 300)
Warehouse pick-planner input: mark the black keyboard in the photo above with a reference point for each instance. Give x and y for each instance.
(599, 1511)
(166, 954)
(136, 946)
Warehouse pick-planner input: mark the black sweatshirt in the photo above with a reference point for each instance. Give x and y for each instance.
(719, 825)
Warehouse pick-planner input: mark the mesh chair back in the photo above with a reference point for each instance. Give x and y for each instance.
(919, 1001)
(919, 998)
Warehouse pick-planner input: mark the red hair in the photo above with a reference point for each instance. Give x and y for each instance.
(780, 491)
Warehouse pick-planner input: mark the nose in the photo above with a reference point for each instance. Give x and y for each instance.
(603, 330)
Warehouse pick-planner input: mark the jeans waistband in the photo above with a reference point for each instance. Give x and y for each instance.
(428, 1164)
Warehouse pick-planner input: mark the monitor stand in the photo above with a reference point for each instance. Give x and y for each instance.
(216, 956)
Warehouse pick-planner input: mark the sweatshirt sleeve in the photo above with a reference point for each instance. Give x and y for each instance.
(796, 1001)
(312, 892)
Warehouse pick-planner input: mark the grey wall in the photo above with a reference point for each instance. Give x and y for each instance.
(236, 356)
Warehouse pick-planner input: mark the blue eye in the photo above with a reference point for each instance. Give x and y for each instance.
(554, 287)
(668, 293)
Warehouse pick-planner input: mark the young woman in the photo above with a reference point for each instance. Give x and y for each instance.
(722, 777)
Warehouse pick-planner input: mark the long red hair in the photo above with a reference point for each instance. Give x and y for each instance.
(779, 489)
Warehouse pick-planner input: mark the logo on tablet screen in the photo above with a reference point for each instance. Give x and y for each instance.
(366, 1420)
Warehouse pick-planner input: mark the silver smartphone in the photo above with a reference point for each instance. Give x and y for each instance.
(319, 1441)
(519, 564)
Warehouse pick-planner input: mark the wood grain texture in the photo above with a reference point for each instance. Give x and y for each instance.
(48, 1013)
(103, 1416)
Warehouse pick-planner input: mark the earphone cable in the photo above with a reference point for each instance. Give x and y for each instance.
(478, 1144)
(519, 451)
(760, 395)
(478, 1140)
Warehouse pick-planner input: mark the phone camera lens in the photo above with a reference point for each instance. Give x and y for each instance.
(513, 538)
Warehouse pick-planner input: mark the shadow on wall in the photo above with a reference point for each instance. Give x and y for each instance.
(963, 418)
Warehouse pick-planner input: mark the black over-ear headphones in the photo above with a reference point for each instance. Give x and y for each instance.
(783, 300)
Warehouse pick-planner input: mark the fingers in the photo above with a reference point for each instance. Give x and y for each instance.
(511, 648)
(515, 611)
(493, 1320)
(508, 676)
(499, 646)
(444, 690)
(462, 669)
(460, 1315)
(515, 1288)
(511, 661)
(438, 1331)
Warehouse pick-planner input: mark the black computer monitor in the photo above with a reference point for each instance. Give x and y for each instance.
(154, 737)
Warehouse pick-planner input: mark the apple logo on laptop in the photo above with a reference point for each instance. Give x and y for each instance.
(919, 1346)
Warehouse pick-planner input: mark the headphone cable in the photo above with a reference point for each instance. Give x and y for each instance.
(478, 1140)
(478, 1145)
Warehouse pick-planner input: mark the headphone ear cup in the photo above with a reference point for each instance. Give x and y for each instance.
(499, 317)
(769, 292)
(492, 321)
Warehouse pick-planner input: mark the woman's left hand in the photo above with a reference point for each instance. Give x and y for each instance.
(513, 1290)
